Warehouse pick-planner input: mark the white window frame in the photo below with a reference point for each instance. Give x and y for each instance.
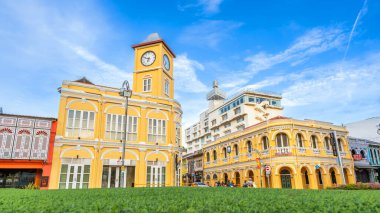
(282, 142)
(147, 84)
(166, 87)
(157, 130)
(299, 140)
(80, 128)
(119, 130)
(314, 139)
(265, 141)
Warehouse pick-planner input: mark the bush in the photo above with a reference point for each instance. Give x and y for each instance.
(358, 186)
(31, 186)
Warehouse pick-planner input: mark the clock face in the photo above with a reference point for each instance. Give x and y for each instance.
(166, 62)
(148, 58)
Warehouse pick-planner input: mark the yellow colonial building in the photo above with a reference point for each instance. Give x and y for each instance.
(91, 124)
(298, 153)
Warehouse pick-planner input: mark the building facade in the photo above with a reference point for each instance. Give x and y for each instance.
(225, 116)
(365, 148)
(366, 159)
(91, 127)
(194, 168)
(298, 153)
(26, 149)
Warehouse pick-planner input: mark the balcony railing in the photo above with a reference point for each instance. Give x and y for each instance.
(236, 157)
(283, 150)
(249, 155)
(316, 151)
(224, 160)
(301, 149)
(329, 152)
(215, 161)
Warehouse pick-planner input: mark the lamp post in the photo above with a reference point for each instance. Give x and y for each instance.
(126, 92)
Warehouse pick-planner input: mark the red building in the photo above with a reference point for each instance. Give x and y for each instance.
(26, 150)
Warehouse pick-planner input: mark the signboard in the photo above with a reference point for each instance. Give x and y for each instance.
(333, 144)
(44, 181)
(267, 170)
(228, 149)
(357, 157)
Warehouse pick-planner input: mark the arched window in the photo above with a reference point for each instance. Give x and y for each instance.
(340, 145)
(372, 157)
(362, 153)
(353, 152)
(6, 136)
(208, 157)
(236, 147)
(214, 153)
(208, 177)
(21, 147)
(299, 140)
(215, 177)
(265, 142)
(249, 146)
(225, 152)
(327, 143)
(282, 140)
(314, 142)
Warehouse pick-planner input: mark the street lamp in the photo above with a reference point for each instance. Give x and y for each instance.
(126, 92)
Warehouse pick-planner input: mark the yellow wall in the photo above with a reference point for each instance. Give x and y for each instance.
(103, 100)
(296, 160)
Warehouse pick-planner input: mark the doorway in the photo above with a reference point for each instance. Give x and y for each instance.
(74, 176)
(286, 180)
(155, 176)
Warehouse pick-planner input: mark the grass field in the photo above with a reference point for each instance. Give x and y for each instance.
(188, 200)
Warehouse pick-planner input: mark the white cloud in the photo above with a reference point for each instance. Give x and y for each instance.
(208, 32)
(211, 6)
(313, 42)
(32, 35)
(185, 75)
(208, 7)
(103, 73)
(334, 92)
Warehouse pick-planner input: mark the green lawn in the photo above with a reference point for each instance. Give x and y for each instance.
(188, 200)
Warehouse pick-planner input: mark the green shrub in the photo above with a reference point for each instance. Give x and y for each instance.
(31, 186)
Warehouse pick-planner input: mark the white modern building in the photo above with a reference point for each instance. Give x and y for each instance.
(225, 116)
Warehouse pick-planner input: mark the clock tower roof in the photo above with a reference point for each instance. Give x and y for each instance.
(153, 39)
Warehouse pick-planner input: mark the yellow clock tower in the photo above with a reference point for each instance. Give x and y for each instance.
(91, 118)
(153, 74)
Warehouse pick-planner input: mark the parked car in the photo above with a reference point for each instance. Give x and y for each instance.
(198, 184)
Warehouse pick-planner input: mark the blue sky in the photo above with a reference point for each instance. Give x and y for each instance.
(322, 56)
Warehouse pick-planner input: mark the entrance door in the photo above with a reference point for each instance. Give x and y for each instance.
(74, 176)
(156, 176)
(286, 182)
(110, 177)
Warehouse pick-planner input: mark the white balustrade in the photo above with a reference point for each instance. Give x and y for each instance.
(283, 150)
